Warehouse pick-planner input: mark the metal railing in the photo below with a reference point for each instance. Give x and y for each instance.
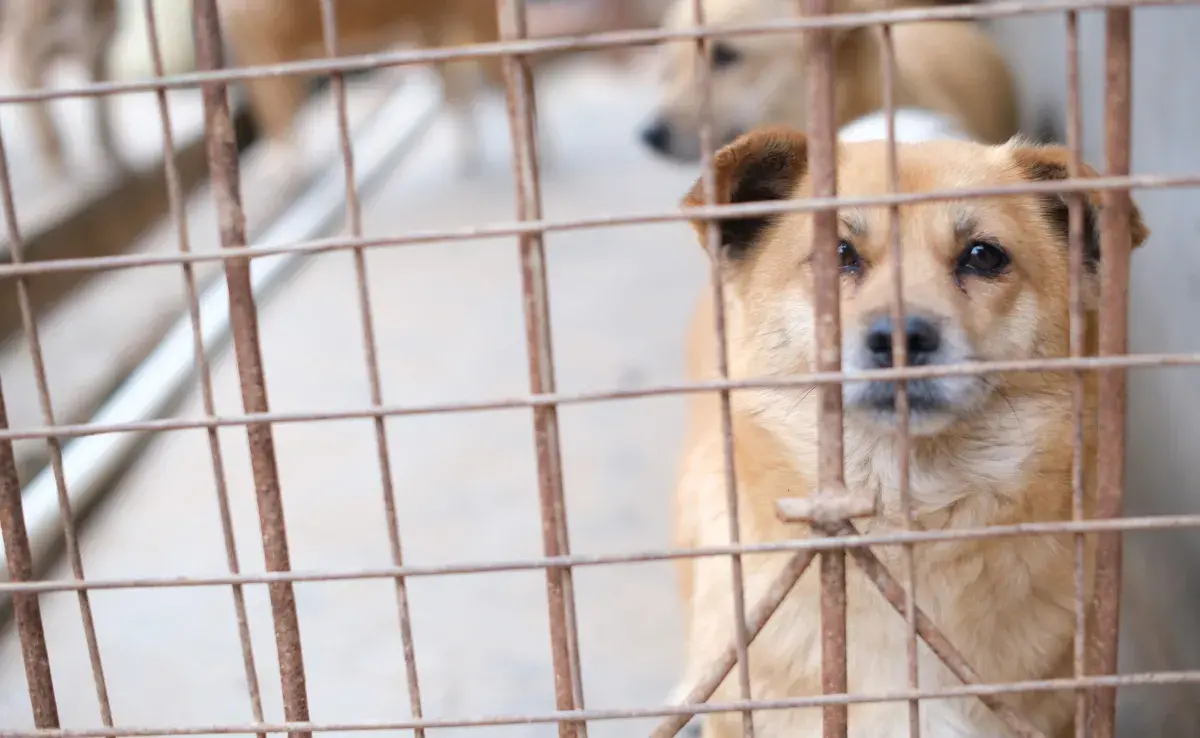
(1096, 621)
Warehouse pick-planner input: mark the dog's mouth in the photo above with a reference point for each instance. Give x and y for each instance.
(924, 396)
(933, 404)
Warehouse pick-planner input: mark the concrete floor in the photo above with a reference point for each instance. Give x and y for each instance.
(449, 326)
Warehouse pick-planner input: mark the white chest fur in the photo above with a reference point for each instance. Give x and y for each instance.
(913, 125)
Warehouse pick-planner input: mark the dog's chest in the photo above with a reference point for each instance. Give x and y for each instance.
(947, 490)
(789, 651)
(940, 479)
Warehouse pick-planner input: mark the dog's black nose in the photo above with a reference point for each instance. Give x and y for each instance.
(923, 335)
(657, 136)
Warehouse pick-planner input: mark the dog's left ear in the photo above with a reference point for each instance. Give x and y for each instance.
(1048, 163)
(763, 165)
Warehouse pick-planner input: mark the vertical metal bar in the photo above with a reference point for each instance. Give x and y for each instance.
(522, 112)
(1075, 214)
(366, 316)
(243, 317)
(179, 215)
(822, 164)
(1114, 272)
(712, 238)
(26, 610)
(67, 516)
(900, 360)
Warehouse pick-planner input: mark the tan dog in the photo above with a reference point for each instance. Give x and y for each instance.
(948, 67)
(983, 280)
(277, 31)
(38, 33)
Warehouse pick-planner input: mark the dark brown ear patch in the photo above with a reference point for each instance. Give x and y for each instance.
(762, 166)
(1049, 163)
(1059, 212)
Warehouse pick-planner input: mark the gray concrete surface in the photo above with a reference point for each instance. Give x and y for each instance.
(103, 327)
(450, 327)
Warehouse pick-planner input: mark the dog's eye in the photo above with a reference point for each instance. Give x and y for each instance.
(848, 259)
(983, 259)
(724, 55)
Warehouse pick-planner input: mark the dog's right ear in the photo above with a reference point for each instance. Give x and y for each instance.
(763, 165)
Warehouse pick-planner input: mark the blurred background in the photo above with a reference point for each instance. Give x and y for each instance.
(449, 327)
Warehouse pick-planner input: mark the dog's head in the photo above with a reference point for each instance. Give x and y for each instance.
(983, 279)
(753, 79)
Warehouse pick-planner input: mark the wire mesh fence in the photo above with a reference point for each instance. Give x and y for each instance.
(830, 511)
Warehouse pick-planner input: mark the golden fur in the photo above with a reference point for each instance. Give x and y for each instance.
(276, 31)
(1004, 456)
(950, 67)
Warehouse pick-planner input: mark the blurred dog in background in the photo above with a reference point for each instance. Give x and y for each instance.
(36, 34)
(264, 32)
(949, 73)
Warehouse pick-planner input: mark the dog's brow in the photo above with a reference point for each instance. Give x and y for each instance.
(965, 223)
(854, 222)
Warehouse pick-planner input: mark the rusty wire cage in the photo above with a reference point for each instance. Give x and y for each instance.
(1094, 681)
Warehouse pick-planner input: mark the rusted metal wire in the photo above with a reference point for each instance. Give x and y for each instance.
(1078, 327)
(54, 444)
(1115, 247)
(712, 245)
(522, 113)
(713, 212)
(905, 604)
(974, 690)
(900, 360)
(1066, 364)
(371, 357)
(178, 211)
(899, 538)
(822, 173)
(894, 593)
(587, 42)
(772, 598)
(27, 610)
(222, 152)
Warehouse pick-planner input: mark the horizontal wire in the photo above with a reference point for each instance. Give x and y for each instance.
(520, 228)
(1044, 685)
(1062, 365)
(585, 42)
(898, 538)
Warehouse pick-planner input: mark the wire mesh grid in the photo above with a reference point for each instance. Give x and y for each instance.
(1094, 677)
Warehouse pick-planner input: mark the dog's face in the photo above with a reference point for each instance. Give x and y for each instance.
(753, 79)
(982, 279)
